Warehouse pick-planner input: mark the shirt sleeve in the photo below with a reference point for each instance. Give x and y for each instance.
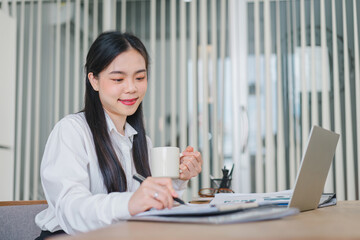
(179, 185)
(66, 183)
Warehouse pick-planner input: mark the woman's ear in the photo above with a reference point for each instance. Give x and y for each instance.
(93, 81)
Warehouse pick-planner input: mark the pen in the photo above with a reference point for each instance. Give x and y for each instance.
(140, 179)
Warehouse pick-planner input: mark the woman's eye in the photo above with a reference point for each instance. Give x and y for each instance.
(117, 80)
(140, 78)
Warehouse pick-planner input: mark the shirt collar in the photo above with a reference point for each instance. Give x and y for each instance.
(129, 130)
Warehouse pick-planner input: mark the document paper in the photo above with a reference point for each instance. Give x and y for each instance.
(277, 198)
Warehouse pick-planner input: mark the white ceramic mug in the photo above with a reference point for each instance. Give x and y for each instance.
(165, 162)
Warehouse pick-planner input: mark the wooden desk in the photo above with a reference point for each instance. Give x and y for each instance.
(336, 222)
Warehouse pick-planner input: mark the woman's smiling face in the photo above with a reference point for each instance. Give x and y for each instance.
(122, 84)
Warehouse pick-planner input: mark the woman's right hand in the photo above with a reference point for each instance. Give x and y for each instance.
(153, 193)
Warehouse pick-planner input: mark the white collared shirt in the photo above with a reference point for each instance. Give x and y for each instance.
(72, 181)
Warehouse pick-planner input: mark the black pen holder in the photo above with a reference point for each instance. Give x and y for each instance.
(217, 182)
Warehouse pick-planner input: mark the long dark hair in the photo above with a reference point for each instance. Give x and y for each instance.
(102, 52)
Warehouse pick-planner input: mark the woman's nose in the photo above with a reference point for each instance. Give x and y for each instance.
(130, 85)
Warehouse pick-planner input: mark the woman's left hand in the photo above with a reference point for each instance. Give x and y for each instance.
(190, 163)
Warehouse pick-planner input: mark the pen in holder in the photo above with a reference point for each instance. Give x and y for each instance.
(218, 185)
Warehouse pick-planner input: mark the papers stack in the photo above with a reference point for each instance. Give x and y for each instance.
(216, 213)
(281, 198)
(232, 208)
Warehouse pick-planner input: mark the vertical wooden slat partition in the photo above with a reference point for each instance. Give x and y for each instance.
(325, 82)
(269, 137)
(243, 168)
(107, 11)
(314, 97)
(19, 117)
(85, 48)
(183, 75)
(35, 176)
(123, 15)
(281, 165)
(143, 10)
(85, 41)
(350, 167)
(301, 109)
(233, 8)
(71, 42)
(296, 105)
(222, 80)
(153, 79)
(57, 64)
(214, 87)
(162, 73)
(113, 14)
(340, 191)
(239, 128)
(329, 185)
(194, 76)
(29, 95)
(95, 20)
(76, 79)
(173, 73)
(130, 26)
(66, 78)
(325, 75)
(292, 151)
(304, 87)
(259, 169)
(357, 87)
(205, 176)
(192, 44)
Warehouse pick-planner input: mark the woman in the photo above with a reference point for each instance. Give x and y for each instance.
(91, 156)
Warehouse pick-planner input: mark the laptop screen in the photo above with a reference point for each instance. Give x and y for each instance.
(314, 168)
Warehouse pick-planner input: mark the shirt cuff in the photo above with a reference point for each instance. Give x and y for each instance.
(121, 208)
(179, 184)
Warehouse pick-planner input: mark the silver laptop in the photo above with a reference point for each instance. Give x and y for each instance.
(314, 168)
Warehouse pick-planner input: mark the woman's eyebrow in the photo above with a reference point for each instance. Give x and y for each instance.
(117, 72)
(140, 71)
(121, 72)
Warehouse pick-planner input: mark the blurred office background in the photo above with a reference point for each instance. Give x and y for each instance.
(242, 81)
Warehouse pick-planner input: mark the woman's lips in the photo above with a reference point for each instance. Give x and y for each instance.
(128, 101)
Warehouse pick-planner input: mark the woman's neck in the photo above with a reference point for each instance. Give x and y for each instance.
(119, 121)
